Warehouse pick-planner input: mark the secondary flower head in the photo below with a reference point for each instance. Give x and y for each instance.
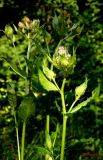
(26, 25)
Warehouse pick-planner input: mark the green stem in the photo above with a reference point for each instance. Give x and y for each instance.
(16, 54)
(64, 120)
(47, 124)
(23, 140)
(73, 104)
(62, 97)
(17, 136)
(28, 55)
(47, 132)
(63, 137)
(56, 85)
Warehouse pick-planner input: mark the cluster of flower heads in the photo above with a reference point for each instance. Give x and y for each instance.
(27, 25)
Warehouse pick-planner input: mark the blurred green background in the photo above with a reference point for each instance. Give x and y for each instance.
(85, 128)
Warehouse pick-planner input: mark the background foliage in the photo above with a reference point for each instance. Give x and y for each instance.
(84, 133)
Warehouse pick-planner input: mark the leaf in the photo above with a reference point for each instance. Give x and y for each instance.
(35, 152)
(27, 107)
(36, 84)
(47, 85)
(49, 73)
(96, 92)
(55, 22)
(48, 142)
(54, 135)
(74, 56)
(79, 106)
(80, 90)
(42, 150)
(15, 68)
(12, 100)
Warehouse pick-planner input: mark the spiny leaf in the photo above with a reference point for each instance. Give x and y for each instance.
(47, 85)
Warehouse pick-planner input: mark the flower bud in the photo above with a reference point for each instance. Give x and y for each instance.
(21, 25)
(35, 25)
(9, 31)
(80, 90)
(26, 21)
(48, 157)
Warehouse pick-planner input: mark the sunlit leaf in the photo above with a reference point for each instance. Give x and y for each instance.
(49, 73)
(47, 85)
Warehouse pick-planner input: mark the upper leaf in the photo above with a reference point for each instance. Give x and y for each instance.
(47, 85)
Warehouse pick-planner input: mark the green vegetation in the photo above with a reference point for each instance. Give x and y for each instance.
(51, 78)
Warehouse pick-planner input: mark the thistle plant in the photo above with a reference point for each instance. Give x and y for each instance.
(40, 75)
(65, 63)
